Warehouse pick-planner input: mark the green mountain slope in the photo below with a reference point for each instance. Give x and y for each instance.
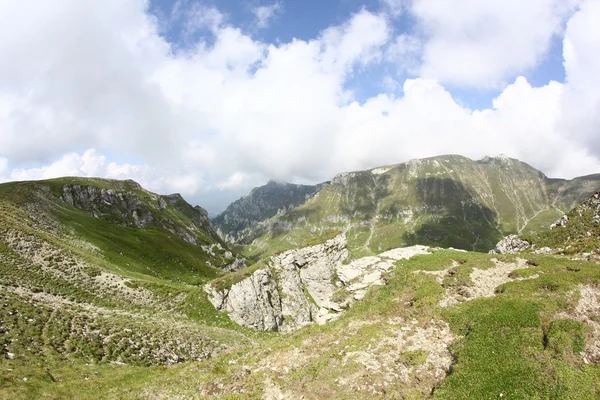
(528, 335)
(450, 201)
(93, 309)
(109, 274)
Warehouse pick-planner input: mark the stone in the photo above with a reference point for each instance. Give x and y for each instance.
(561, 222)
(306, 285)
(253, 302)
(511, 244)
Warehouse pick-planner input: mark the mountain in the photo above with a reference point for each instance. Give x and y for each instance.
(239, 222)
(109, 291)
(101, 210)
(449, 201)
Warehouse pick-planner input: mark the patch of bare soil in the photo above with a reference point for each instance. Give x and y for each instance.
(484, 281)
(410, 353)
(588, 311)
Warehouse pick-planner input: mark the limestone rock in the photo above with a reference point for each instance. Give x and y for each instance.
(511, 244)
(128, 204)
(302, 286)
(252, 302)
(561, 222)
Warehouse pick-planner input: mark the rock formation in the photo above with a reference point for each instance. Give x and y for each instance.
(307, 285)
(511, 244)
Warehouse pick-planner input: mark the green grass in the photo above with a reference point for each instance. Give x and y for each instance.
(572, 238)
(510, 344)
(230, 279)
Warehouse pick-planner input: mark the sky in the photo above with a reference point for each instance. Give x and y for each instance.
(211, 98)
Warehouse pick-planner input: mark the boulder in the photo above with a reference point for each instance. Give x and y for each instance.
(511, 244)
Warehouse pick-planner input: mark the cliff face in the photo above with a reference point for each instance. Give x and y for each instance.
(128, 204)
(299, 287)
(239, 223)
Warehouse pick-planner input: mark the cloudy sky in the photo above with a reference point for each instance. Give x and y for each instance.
(211, 98)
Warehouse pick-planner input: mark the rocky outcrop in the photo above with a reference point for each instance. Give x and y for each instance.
(591, 205)
(511, 244)
(253, 302)
(561, 222)
(126, 203)
(299, 287)
(130, 205)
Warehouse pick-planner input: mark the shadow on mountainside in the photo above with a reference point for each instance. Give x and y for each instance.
(454, 217)
(360, 197)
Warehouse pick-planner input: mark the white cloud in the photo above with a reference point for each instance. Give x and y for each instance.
(234, 181)
(405, 52)
(3, 168)
(581, 102)
(265, 14)
(483, 43)
(200, 17)
(229, 112)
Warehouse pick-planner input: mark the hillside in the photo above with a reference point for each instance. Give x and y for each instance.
(105, 270)
(451, 201)
(443, 324)
(576, 232)
(239, 222)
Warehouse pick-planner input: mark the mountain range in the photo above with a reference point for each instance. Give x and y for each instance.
(450, 201)
(376, 284)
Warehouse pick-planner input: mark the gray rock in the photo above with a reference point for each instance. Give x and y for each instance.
(253, 302)
(302, 286)
(561, 222)
(128, 204)
(236, 265)
(511, 244)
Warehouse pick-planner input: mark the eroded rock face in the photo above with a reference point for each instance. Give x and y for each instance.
(130, 205)
(252, 302)
(240, 222)
(511, 244)
(302, 286)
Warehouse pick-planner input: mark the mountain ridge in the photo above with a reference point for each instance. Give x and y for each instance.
(95, 302)
(449, 200)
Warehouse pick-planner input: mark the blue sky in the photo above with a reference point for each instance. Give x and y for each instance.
(211, 98)
(307, 19)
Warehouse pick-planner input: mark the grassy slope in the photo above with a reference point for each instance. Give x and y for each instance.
(509, 344)
(449, 201)
(154, 252)
(514, 344)
(77, 290)
(580, 234)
